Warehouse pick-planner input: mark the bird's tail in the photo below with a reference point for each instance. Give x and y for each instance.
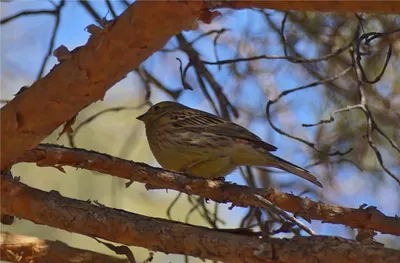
(296, 170)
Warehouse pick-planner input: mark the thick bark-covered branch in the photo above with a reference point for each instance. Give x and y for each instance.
(58, 156)
(111, 53)
(166, 236)
(108, 56)
(19, 248)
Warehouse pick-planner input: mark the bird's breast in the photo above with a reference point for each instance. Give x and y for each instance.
(170, 149)
(180, 150)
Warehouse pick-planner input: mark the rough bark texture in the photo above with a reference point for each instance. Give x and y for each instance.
(21, 249)
(58, 156)
(84, 78)
(86, 75)
(167, 236)
(111, 53)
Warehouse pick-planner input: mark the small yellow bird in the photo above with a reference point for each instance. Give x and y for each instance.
(198, 143)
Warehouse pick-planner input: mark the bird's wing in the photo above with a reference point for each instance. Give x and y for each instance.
(199, 121)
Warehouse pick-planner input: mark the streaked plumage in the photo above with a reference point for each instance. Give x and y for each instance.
(203, 145)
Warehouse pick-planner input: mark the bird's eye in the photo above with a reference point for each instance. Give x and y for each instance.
(156, 108)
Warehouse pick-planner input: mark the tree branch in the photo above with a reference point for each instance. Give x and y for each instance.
(27, 13)
(19, 248)
(238, 195)
(166, 236)
(112, 52)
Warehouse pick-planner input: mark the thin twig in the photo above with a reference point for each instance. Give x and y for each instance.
(219, 32)
(371, 124)
(172, 205)
(111, 8)
(90, 10)
(331, 118)
(286, 92)
(394, 145)
(57, 13)
(175, 94)
(366, 40)
(313, 84)
(285, 215)
(201, 69)
(292, 59)
(72, 136)
(28, 13)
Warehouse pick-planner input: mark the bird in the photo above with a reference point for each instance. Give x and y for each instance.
(201, 144)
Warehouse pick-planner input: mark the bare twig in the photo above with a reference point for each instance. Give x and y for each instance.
(172, 205)
(370, 128)
(331, 119)
(394, 145)
(125, 3)
(371, 124)
(313, 84)
(365, 40)
(285, 215)
(296, 60)
(292, 59)
(349, 108)
(201, 70)
(183, 74)
(90, 10)
(218, 33)
(175, 94)
(286, 92)
(111, 8)
(71, 136)
(195, 207)
(361, 76)
(27, 13)
(57, 15)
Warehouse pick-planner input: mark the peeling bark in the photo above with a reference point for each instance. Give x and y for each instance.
(19, 248)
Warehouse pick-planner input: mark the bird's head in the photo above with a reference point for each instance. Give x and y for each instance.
(159, 110)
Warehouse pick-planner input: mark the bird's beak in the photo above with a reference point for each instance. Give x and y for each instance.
(141, 117)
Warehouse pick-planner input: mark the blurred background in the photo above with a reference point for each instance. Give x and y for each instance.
(340, 156)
